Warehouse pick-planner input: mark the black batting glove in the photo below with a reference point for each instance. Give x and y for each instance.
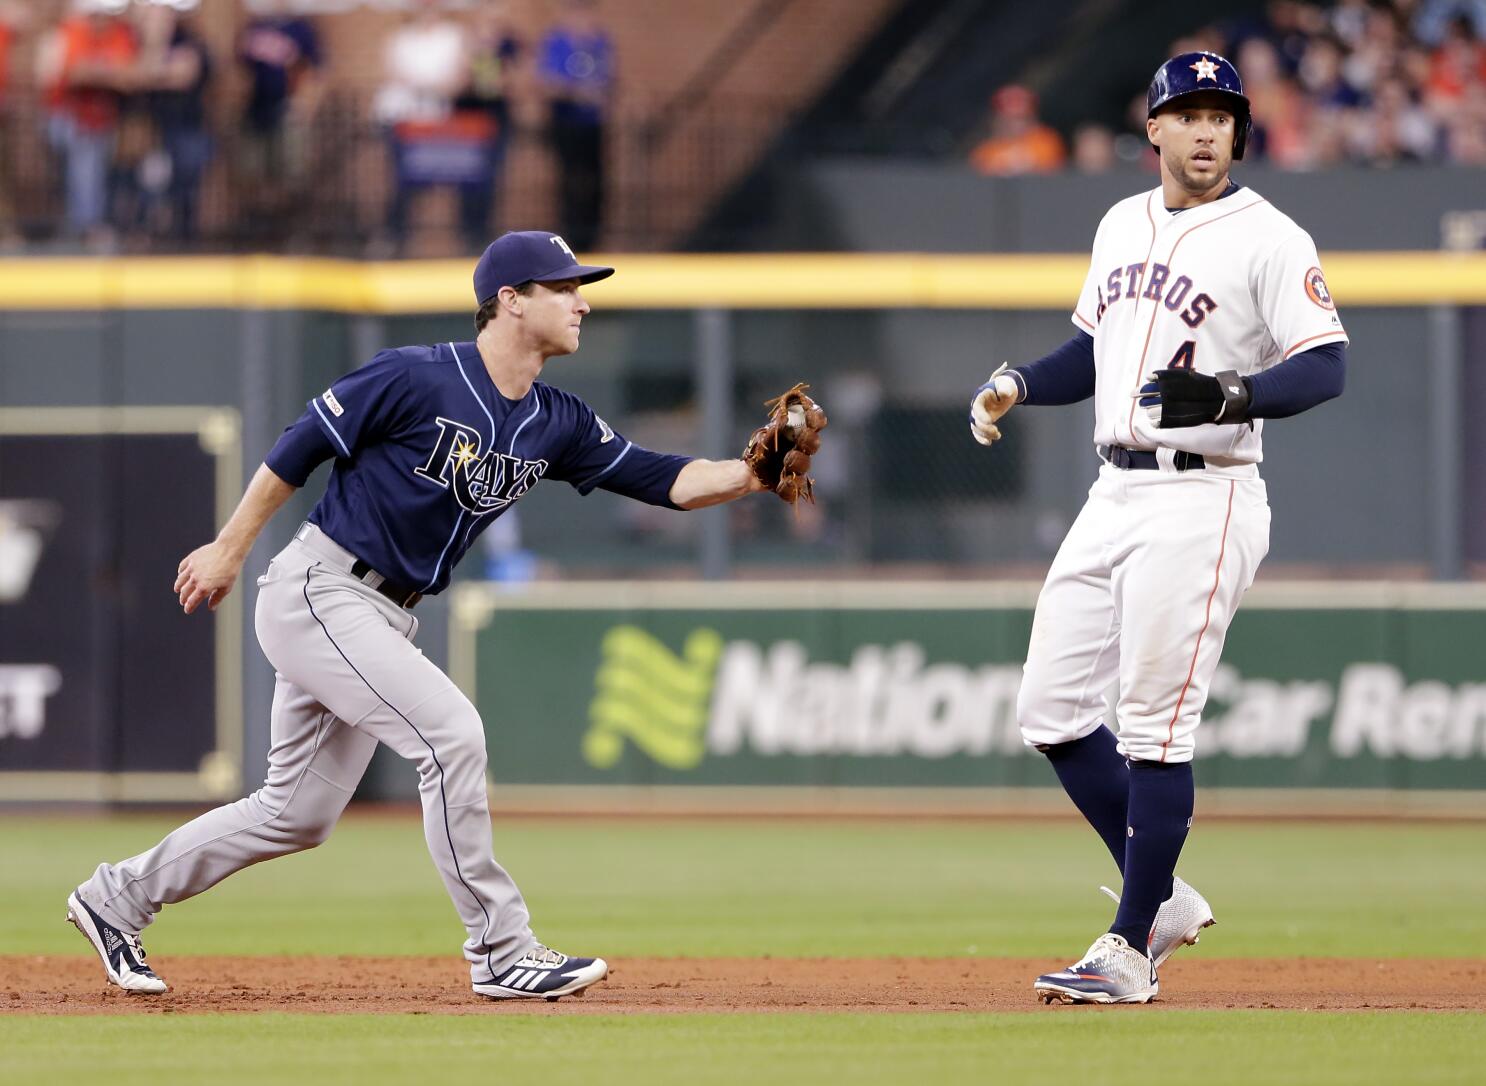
(1182, 397)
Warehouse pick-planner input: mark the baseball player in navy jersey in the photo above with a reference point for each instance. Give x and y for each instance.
(1204, 313)
(430, 445)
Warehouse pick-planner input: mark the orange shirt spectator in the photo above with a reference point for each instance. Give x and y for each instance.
(7, 35)
(1281, 111)
(92, 54)
(1019, 142)
(1459, 62)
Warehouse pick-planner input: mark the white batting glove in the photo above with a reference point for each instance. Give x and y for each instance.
(992, 400)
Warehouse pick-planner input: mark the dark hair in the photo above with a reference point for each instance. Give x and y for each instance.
(491, 306)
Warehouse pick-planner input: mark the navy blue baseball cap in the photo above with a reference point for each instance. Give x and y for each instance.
(526, 256)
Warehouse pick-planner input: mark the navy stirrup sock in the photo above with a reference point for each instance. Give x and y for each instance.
(1093, 773)
(1161, 801)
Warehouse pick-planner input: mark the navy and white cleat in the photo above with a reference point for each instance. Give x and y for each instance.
(542, 973)
(123, 957)
(1111, 972)
(1181, 917)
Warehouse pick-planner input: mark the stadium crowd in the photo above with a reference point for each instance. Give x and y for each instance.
(120, 121)
(1368, 82)
(126, 95)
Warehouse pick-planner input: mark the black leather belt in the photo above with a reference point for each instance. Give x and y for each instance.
(1140, 460)
(403, 597)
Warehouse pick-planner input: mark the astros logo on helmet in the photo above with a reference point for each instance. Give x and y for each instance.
(1191, 73)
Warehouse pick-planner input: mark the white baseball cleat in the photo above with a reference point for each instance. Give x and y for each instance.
(1180, 918)
(123, 957)
(542, 973)
(1111, 972)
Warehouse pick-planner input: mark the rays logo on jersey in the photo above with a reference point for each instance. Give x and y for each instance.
(482, 484)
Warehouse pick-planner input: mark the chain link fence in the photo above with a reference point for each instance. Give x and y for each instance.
(326, 185)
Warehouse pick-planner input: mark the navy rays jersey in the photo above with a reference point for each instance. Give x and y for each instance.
(428, 453)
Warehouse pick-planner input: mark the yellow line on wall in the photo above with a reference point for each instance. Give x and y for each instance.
(669, 281)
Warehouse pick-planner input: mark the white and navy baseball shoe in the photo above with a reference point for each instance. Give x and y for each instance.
(1181, 917)
(1111, 972)
(542, 973)
(123, 957)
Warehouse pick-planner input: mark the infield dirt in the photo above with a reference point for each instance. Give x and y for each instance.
(406, 985)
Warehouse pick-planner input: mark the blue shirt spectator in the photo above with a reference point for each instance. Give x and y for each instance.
(577, 64)
(1433, 18)
(279, 52)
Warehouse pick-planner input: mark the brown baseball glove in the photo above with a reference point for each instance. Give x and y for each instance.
(779, 451)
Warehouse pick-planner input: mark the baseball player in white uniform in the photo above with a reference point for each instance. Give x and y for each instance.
(1204, 313)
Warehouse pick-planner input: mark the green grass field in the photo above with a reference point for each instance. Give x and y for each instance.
(781, 888)
(1210, 1048)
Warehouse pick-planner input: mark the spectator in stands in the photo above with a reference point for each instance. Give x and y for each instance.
(1321, 75)
(1093, 148)
(1279, 110)
(1291, 28)
(1456, 64)
(13, 19)
(1374, 53)
(1432, 18)
(176, 69)
(282, 56)
(1465, 129)
(1364, 90)
(1019, 143)
(425, 65)
(577, 67)
(84, 65)
(1349, 21)
(1396, 129)
(496, 72)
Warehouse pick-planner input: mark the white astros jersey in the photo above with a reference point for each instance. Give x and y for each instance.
(1231, 285)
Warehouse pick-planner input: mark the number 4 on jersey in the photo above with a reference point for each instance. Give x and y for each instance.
(1182, 360)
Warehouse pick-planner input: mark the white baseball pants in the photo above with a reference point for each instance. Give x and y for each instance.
(1142, 590)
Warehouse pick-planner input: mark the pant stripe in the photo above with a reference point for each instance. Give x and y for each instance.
(107, 903)
(1206, 621)
(443, 796)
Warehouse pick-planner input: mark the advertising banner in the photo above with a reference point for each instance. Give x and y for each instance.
(107, 692)
(915, 685)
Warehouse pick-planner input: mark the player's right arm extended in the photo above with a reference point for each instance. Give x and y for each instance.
(1065, 375)
(711, 482)
(208, 573)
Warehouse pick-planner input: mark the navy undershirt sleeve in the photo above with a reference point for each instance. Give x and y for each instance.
(300, 449)
(1066, 375)
(645, 476)
(1299, 383)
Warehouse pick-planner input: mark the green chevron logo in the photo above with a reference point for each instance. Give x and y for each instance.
(652, 697)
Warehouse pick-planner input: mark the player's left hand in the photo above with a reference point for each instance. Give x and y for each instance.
(778, 453)
(207, 575)
(1181, 397)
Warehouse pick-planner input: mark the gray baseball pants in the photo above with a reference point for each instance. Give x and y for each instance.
(348, 677)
